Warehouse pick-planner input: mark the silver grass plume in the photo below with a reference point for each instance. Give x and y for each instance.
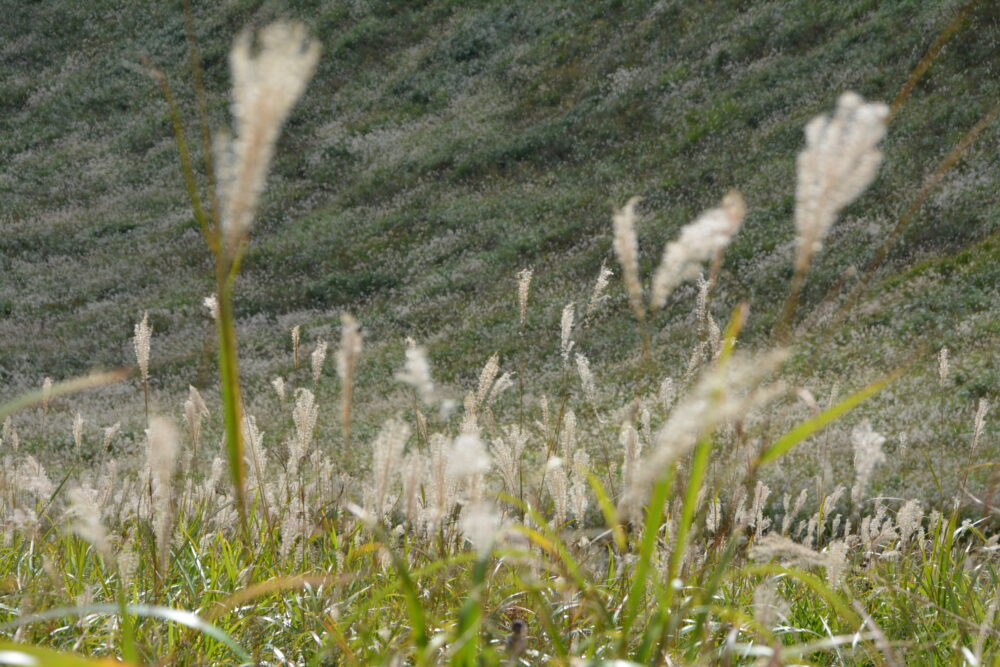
(347, 363)
(698, 241)
(480, 524)
(943, 366)
(109, 434)
(586, 378)
(304, 416)
(566, 332)
(194, 411)
(627, 251)
(503, 383)
(980, 422)
(628, 438)
(266, 84)
(84, 514)
(211, 302)
(162, 456)
(867, 454)
(507, 452)
(558, 483)
(296, 332)
(840, 160)
(387, 455)
(141, 341)
(417, 371)
(279, 388)
(598, 295)
(316, 360)
(486, 378)
(719, 396)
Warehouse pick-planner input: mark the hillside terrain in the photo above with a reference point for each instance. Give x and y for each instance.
(442, 147)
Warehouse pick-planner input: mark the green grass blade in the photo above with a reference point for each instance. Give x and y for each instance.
(810, 426)
(179, 616)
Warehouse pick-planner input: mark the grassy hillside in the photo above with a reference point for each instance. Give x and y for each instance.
(726, 481)
(442, 147)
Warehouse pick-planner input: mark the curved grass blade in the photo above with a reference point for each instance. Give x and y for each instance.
(179, 616)
(792, 438)
(62, 389)
(35, 656)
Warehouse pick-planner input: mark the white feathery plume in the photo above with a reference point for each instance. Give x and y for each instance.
(840, 160)
(698, 241)
(586, 378)
(598, 295)
(109, 434)
(720, 396)
(194, 411)
(627, 251)
(566, 332)
(867, 454)
(503, 383)
(480, 524)
(387, 455)
(162, 457)
(84, 513)
(141, 341)
(266, 84)
(279, 388)
(980, 422)
(317, 358)
(304, 415)
(486, 377)
(212, 303)
(417, 371)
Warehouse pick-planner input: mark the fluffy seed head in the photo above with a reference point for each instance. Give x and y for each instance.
(598, 296)
(566, 332)
(417, 371)
(627, 251)
(143, 334)
(586, 378)
(867, 454)
(350, 348)
(212, 303)
(317, 358)
(943, 366)
(84, 514)
(840, 160)
(698, 241)
(486, 377)
(194, 411)
(980, 422)
(109, 434)
(279, 388)
(267, 81)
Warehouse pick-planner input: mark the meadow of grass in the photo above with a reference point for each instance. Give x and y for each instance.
(640, 461)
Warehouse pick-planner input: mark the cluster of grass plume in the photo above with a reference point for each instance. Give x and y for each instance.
(507, 531)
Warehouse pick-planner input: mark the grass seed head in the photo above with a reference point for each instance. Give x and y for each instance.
(143, 335)
(267, 81)
(840, 160)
